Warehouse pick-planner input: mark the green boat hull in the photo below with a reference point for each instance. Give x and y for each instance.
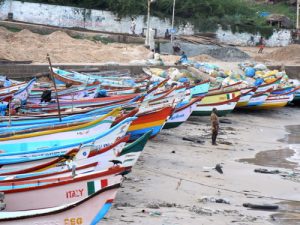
(207, 113)
(172, 125)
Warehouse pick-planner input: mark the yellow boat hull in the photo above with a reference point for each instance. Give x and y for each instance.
(270, 105)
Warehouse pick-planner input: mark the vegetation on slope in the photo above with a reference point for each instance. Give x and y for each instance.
(241, 15)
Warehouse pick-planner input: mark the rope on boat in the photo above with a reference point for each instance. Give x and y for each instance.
(219, 188)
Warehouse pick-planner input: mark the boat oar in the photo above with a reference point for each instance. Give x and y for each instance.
(52, 78)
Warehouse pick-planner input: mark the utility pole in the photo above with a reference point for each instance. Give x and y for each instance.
(298, 9)
(147, 42)
(173, 18)
(297, 21)
(148, 24)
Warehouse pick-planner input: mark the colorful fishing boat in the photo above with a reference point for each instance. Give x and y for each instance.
(23, 152)
(182, 113)
(224, 102)
(58, 164)
(296, 99)
(73, 93)
(267, 86)
(278, 100)
(62, 187)
(84, 130)
(153, 120)
(246, 95)
(259, 98)
(22, 93)
(103, 158)
(90, 210)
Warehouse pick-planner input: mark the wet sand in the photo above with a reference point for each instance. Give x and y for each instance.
(174, 183)
(273, 158)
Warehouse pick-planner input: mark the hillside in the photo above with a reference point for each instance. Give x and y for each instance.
(242, 15)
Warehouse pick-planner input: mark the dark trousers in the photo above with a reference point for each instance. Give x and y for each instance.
(214, 136)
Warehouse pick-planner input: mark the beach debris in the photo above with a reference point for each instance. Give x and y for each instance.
(266, 171)
(261, 206)
(156, 213)
(201, 211)
(178, 184)
(225, 142)
(206, 199)
(191, 139)
(123, 204)
(127, 221)
(153, 205)
(157, 205)
(227, 121)
(173, 152)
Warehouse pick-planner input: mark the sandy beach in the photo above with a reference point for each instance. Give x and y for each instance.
(173, 183)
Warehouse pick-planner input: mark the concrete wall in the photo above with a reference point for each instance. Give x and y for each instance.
(26, 72)
(64, 16)
(279, 38)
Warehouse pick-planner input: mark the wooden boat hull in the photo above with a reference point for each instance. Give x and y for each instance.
(145, 122)
(258, 98)
(68, 95)
(90, 210)
(245, 97)
(275, 101)
(101, 140)
(224, 103)
(182, 114)
(65, 189)
(273, 85)
(80, 156)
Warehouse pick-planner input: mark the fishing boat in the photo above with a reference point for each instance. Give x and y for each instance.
(246, 94)
(66, 189)
(71, 104)
(259, 98)
(278, 100)
(90, 210)
(296, 99)
(89, 155)
(224, 102)
(30, 151)
(152, 120)
(84, 130)
(182, 113)
(58, 164)
(73, 93)
(22, 93)
(267, 86)
(63, 77)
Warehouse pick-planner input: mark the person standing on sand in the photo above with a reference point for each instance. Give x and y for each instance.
(151, 54)
(261, 45)
(214, 126)
(133, 25)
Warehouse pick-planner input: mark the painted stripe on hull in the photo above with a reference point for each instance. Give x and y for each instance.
(241, 104)
(146, 125)
(101, 213)
(138, 133)
(270, 105)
